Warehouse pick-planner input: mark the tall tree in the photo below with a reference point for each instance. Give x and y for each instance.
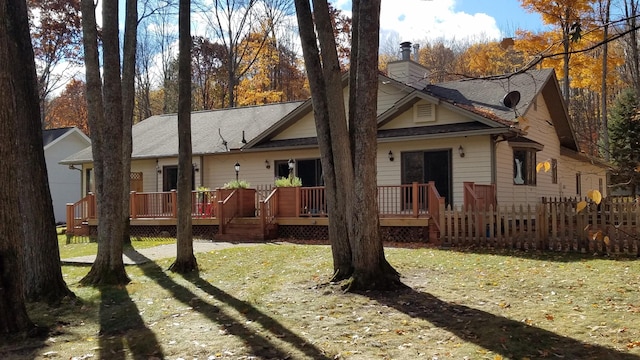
(605, 15)
(232, 22)
(128, 99)
(105, 114)
(569, 17)
(209, 73)
(70, 108)
(42, 271)
(357, 250)
(632, 73)
(185, 260)
(56, 36)
(13, 314)
(624, 132)
(325, 83)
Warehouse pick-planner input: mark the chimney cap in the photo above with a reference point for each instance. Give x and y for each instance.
(405, 44)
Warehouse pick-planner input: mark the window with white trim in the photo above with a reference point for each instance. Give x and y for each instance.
(524, 166)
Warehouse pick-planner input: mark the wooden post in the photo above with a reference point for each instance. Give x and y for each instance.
(133, 212)
(298, 201)
(414, 198)
(174, 203)
(221, 220)
(71, 224)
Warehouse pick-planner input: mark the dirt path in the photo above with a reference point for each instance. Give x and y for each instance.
(142, 256)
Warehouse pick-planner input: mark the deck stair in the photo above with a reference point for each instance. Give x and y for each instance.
(246, 229)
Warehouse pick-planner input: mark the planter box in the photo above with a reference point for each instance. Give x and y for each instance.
(288, 201)
(246, 200)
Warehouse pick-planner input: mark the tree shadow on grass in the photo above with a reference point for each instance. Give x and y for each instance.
(260, 346)
(121, 325)
(509, 338)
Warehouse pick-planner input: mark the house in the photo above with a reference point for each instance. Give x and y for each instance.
(64, 181)
(468, 137)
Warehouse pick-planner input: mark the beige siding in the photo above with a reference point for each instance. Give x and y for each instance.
(219, 169)
(443, 116)
(592, 178)
(541, 131)
(387, 96)
(303, 128)
(474, 166)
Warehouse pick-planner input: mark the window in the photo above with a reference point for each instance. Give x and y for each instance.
(554, 171)
(524, 166)
(578, 184)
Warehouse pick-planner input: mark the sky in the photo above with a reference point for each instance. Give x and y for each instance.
(423, 20)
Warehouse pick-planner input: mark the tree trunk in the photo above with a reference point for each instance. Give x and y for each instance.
(604, 132)
(566, 88)
(128, 96)
(42, 272)
(105, 119)
(371, 270)
(320, 90)
(185, 260)
(631, 12)
(13, 314)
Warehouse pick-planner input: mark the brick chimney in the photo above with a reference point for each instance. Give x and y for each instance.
(408, 71)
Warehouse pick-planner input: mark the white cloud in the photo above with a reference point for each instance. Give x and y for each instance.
(420, 20)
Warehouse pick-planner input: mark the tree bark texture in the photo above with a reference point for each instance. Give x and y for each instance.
(13, 314)
(105, 119)
(371, 270)
(185, 259)
(42, 271)
(321, 86)
(128, 103)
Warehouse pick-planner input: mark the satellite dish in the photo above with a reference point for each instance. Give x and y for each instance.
(511, 99)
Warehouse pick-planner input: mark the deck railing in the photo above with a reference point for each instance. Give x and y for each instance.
(228, 209)
(269, 209)
(409, 200)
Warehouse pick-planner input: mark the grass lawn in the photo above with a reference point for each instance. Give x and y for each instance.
(91, 248)
(272, 302)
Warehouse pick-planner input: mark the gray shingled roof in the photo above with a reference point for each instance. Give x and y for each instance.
(157, 136)
(485, 95)
(49, 135)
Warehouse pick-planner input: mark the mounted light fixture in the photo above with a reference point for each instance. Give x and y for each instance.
(158, 169)
(391, 158)
(195, 167)
(237, 168)
(461, 151)
(267, 165)
(73, 167)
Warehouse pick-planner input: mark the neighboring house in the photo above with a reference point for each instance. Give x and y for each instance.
(486, 131)
(64, 181)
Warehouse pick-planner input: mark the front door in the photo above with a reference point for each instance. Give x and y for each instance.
(425, 166)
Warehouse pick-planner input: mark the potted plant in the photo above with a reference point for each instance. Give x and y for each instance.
(246, 196)
(288, 195)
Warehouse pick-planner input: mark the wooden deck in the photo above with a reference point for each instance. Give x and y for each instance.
(411, 205)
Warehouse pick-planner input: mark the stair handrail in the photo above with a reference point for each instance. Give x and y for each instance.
(81, 211)
(269, 209)
(228, 205)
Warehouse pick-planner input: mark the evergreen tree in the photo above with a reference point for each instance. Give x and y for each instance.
(624, 136)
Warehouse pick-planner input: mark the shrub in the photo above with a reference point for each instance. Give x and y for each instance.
(236, 184)
(288, 181)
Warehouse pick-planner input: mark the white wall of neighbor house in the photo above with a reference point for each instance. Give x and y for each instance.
(64, 183)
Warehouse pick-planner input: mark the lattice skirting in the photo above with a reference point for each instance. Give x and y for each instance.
(404, 234)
